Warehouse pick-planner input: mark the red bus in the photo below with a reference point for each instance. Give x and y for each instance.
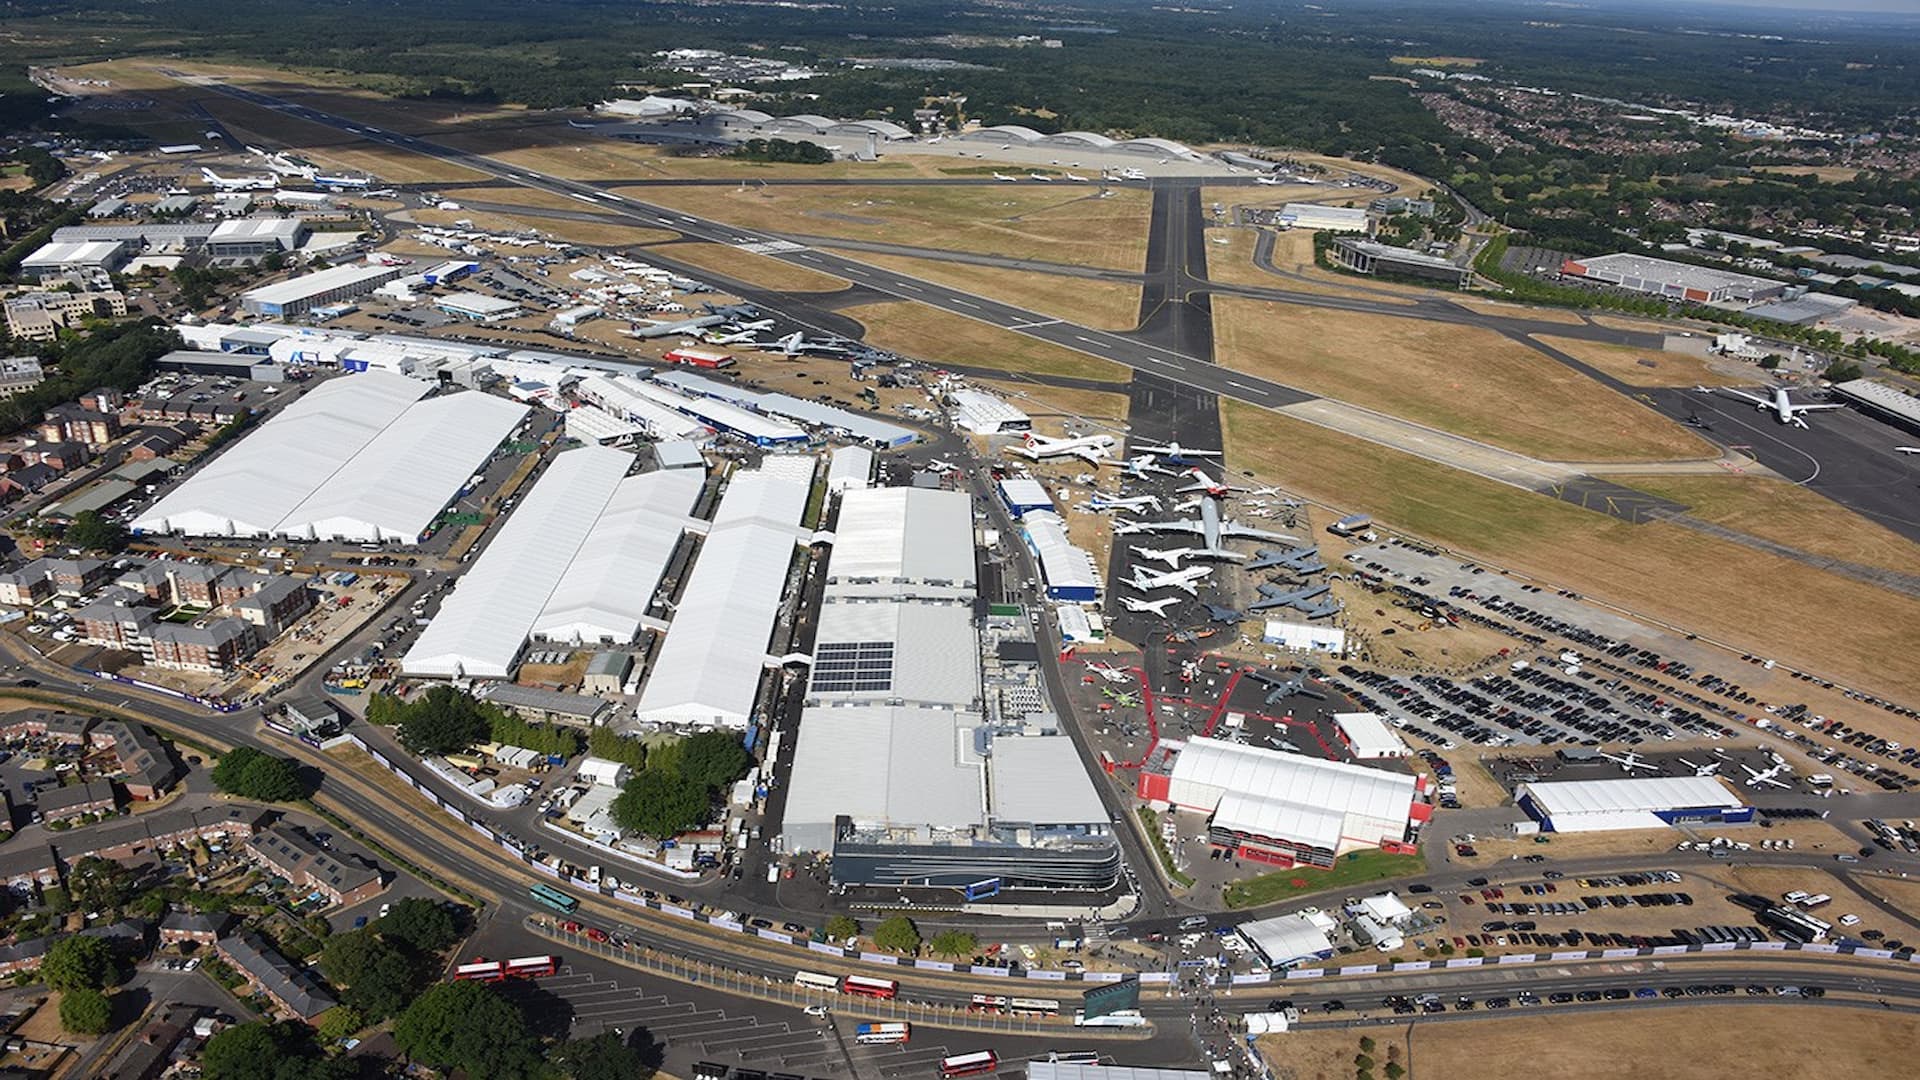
(866, 987)
(533, 967)
(969, 1064)
(987, 1003)
(480, 969)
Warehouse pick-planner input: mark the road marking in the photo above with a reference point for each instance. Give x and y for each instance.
(1032, 325)
(1247, 386)
(1157, 360)
(964, 303)
(1085, 338)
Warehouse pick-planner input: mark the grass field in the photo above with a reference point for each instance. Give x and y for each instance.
(1108, 305)
(1459, 379)
(925, 333)
(1356, 868)
(767, 273)
(1856, 632)
(1049, 224)
(1293, 253)
(1652, 1043)
(1787, 513)
(1521, 311)
(337, 149)
(1667, 368)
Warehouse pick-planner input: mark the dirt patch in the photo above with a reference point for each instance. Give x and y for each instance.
(1858, 633)
(1699, 1043)
(925, 333)
(1460, 379)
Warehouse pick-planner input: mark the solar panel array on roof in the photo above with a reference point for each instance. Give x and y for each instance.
(845, 667)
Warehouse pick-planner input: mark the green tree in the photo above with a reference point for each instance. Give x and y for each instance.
(92, 532)
(1394, 1070)
(604, 742)
(898, 934)
(604, 1057)
(424, 925)
(470, 1027)
(442, 721)
(96, 884)
(86, 1012)
(1842, 371)
(255, 774)
(374, 975)
(78, 963)
(842, 927)
(713, 758)
(268, 1051)
(660, 804)
(953, 943)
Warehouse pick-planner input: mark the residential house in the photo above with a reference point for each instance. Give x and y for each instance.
(149, 767)
(62, 456)
(26, 586)
(76, 800)
(219, 647)
(65, 728)
(28, 868)
(76, 423)
(288, 985)
(149, 1054)
(293, 855)
(194, 927)
(78, 577)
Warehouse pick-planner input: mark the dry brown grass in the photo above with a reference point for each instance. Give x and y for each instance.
(1696, 1043)
(1045, 223)
(1042, 401)
(335, 149)
(1108, 305)
(1293, 252)
(1460, 379)
(1857, 632)
(1640, 367)
(1627, 322)
(580, 154)
(611, 234)
(925, 333)
(1398, 637)
(767, 273)
(1827, 174)
(1787, 513)
(1521, 311)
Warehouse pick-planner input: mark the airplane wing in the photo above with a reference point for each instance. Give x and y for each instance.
(1167, 526)
(1816, 408)
(1092, 454)
(1237, 531)
(1743, 395)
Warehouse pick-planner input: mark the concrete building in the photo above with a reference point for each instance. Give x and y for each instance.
(1285, 809)
(301, 294)
(607, 673)
(478, 307)
(89, 257)
(984, 414)
(20, 373)
(1635, 802)
(1673, 280)
(1367, 737)
(849, 468)
(1068, 570)
(1368, 257)
(222, 364)
(247, 239)
(40, 316)
(1325, 218)
(548, 706)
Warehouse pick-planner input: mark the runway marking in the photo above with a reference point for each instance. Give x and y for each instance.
(1085, 338)
(1031, 325)
(964, 303)
(1249, 386)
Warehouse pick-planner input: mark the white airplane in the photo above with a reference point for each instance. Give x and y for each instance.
(1042, 177)
(1781, 405)
(1170, 556)
(668, 329)
(1091, 447)
(1906, 449)
(1630, 761)
(1141, 466)
(1133, 503)
(244, 183)
(1269, 181)
(1132, 174)
(796, 344)
(1077, 178)
(1110, 673)
(1755, 777)
(1005, 179)
(341, 181)
(1700, 388)
(1173, 451)
(1709, 769)
(1211, 527)
(1155, 607)
(1218, 489)
(1184, 580)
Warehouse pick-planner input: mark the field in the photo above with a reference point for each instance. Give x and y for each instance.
(760, 270)
(337, 149)
(925, 333)
(558, 148)
(1649, 1043)
(1108, 305)
(1786, 513)
(1625, 364)
(1293, 253)
(1857, 632)
(1048, 224)
(1393, 637)
(1508, 310)
(1356, 868)
(1826, 174)
(1043, 402)
(1463, 380)
(1439, 61)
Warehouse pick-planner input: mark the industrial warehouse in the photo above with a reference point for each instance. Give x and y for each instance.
(1641, 802)
(369, 458)
(579, 563)
(897, 773)
(1287, 809)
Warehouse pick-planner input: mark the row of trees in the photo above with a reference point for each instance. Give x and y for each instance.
(119, 356)
(445, 721)
(256, 774)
